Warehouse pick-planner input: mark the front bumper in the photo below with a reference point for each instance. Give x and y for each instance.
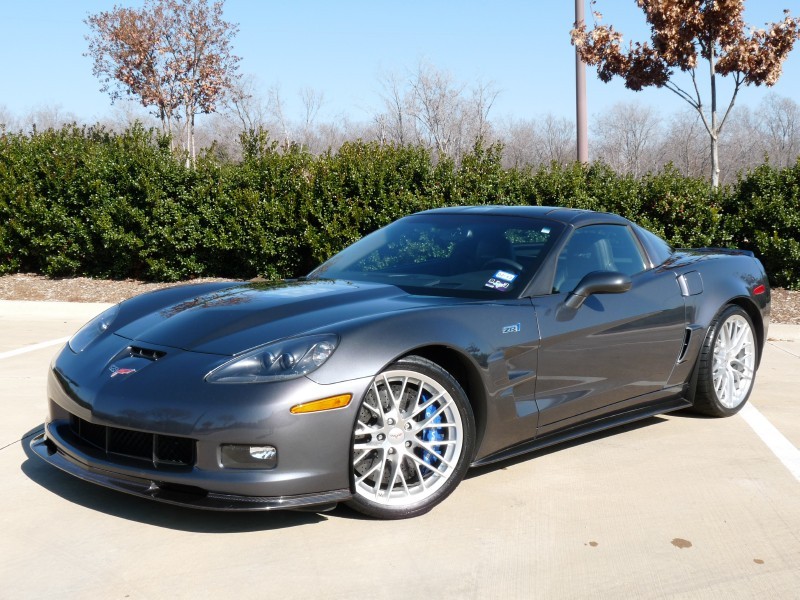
(168, 401)
(182, 495)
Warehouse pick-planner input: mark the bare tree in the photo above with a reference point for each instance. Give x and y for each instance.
(312, 100)
(740, 144)
(685, 144)
(8, 121)
(483, 98)
(331, 136)
(435, 106)
(558, 140)
(520, 144)
(276, 108)
(683, 33)
(778, 123)
(394, 124)
(245, 105)
(174, 55)
(530, 142)
(48, 117)
(432, 109)
(627, 138)
(309, 135)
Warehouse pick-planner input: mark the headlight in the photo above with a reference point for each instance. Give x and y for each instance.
(287, 359)
(93, 329)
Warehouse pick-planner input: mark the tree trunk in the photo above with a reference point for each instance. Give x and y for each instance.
(714, 163)
(166, 124)
(169, 132)
(188, 137)
(191, 139)
(189, 148)
(714, 133)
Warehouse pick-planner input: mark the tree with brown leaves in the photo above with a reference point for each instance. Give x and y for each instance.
(682, 33)
(174, 55)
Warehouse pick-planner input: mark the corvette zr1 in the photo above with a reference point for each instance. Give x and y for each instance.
(450, 338)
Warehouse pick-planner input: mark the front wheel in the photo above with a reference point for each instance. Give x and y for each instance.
(412, 442)
(727, 366)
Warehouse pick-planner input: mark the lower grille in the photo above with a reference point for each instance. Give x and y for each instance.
(156, 449)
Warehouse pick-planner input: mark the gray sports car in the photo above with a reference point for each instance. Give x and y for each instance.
(451, 338)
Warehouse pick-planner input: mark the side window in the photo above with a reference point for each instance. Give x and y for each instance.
(597, 248)
(657, 248)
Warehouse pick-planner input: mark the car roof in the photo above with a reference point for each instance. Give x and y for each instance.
(574, 216)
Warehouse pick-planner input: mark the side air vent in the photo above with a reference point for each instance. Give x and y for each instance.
(687, 340)
(687, 336)
(148, 353)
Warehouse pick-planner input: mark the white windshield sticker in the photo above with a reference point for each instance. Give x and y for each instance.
(505, 276)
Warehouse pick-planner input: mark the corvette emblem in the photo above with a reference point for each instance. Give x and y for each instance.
(115, 370)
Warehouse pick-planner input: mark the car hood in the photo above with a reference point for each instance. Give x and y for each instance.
(235, 319)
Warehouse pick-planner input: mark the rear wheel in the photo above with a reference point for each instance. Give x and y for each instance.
(412, 440)
(728, 362)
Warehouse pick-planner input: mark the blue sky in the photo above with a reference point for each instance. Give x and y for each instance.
(343, 48)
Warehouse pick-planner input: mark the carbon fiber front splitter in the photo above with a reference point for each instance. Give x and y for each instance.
(177, 494)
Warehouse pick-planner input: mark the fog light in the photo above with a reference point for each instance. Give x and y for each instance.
(244, 456)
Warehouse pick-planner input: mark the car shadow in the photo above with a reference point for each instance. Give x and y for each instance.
(689, 413)
(158, 514)
(562, 446)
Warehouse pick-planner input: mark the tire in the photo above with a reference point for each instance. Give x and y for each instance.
(727, 364)
(412, 441)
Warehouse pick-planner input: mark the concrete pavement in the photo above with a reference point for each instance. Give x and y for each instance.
(675, 506)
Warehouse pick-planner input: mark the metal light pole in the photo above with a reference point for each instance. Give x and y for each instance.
(581, 118)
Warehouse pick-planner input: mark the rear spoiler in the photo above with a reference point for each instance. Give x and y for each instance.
(729, 251)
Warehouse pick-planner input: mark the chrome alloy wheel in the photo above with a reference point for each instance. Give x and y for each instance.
(734, 361)
(407, 441)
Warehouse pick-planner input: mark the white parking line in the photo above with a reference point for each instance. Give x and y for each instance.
(774, 439)
(783, 350)
(33, 347)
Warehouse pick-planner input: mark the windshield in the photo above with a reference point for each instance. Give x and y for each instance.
(448, 254)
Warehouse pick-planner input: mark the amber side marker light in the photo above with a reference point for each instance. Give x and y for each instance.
(759, 289)
(319, 405)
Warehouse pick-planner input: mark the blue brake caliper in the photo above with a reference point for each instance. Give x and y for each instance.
(432, 435)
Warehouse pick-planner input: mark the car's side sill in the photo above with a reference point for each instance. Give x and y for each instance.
(564, 435)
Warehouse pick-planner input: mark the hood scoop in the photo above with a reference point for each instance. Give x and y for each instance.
(148, 353)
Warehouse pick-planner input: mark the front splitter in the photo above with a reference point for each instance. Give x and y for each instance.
(176, 494)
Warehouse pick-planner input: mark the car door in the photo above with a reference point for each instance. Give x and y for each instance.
(615, 346)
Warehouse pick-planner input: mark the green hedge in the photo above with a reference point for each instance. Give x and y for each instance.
(85, 201)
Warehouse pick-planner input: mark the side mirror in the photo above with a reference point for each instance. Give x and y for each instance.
(597, 282)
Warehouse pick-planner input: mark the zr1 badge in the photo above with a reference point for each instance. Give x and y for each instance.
(512, 328)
